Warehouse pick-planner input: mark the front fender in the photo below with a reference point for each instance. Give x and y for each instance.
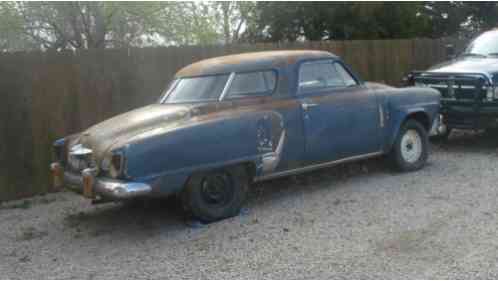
(402, 103)
(401, 114)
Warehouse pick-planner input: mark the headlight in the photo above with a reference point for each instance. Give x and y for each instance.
(491, 93)
(419, 84)
(113, 164)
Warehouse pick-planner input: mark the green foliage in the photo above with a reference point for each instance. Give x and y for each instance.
(77, 25)
(11, 29)
(291, 21)
(83, 25)
(233, 17)
(24, 204)
(186, 23)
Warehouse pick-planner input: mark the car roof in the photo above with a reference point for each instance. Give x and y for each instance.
(250, 61)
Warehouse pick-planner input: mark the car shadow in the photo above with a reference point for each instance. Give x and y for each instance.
(133, 218)
(166, 216)
(326, 178)
(160, 217)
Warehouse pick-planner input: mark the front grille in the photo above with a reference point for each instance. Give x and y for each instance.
(461, 87)
(76, 164)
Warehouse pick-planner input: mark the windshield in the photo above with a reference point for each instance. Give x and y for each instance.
(195, 89)
(484, 45)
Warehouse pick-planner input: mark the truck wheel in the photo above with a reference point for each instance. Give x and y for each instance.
(216, 195)
(410, 150)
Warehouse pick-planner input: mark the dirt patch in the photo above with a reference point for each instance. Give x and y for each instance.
(31, 233)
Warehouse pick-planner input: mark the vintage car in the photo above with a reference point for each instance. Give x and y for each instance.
(468, 84)
(225, 122)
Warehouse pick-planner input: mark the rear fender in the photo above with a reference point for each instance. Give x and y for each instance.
(168, 159)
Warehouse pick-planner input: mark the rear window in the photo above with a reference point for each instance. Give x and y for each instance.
(253, 84)
(205, 88)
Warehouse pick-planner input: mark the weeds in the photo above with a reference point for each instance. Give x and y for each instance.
(25, 204)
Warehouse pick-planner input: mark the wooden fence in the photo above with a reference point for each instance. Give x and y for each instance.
(48, 95)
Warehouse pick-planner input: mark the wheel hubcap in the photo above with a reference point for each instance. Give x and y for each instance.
(411, 146)
(217, 189)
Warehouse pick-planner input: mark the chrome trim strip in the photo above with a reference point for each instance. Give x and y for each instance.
(316, 166)
(227, 86)
(381, 116)
(170, 88)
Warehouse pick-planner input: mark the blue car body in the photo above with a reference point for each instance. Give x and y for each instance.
(274, 134)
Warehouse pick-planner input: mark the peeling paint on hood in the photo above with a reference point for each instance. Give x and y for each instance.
(103, 136)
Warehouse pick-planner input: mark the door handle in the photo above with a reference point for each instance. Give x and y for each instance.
(308, 105)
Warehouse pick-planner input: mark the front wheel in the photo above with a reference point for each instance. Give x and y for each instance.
(216, 195)
(410, 150)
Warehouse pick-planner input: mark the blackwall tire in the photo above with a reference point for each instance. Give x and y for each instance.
(217, 194)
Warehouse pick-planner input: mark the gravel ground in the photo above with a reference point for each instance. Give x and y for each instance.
(354, 221)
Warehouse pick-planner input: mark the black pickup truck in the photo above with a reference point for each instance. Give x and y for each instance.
(468, 84)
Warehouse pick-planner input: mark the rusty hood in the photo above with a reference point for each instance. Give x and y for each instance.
(125, 127)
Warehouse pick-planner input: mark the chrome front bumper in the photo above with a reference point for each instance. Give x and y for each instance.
(91, 186)
(438, 126)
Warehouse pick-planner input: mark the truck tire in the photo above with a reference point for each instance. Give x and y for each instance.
(217, 194)
(410, 149)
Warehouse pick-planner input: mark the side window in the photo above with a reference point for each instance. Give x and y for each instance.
(346, 76)
(252, 84)
(323, 74)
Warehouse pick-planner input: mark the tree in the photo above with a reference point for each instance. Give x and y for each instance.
(234, 16)
(11, 29)
(82, 25)
(482, 16)
(444, 18)
(186, 23)
(291, 21)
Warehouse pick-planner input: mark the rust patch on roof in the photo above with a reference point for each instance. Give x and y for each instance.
(245, 61)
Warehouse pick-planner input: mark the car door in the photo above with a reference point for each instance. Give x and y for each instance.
(276, 119)
(340, 115)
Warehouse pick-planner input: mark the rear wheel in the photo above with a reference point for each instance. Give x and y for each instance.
(217, 194)
(410, 150)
